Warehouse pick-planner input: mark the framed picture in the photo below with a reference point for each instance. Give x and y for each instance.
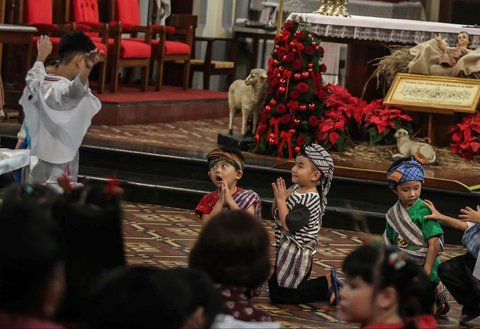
(434, 94)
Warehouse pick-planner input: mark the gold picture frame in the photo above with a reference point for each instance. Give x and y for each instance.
(434, 94)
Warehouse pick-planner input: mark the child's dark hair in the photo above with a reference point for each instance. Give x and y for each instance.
(148, 297)
(384, 267)
(91, 223)
(31, 250)
(27, 200)
(74, 43)
(233, 248)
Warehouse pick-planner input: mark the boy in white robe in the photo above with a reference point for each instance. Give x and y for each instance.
(59, 108)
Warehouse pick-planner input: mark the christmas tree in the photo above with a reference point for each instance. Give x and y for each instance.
(294, 104)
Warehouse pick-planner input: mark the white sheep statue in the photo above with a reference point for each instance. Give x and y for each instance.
(248, 96)
(407, 147)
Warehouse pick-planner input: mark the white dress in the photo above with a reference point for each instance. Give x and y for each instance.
(58, 113)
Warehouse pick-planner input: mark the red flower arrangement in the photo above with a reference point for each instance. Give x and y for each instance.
(466, 137)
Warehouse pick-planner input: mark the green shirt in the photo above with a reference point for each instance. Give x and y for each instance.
(430, 228)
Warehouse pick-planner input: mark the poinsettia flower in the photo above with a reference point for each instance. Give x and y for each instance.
(333, 137)
(281, 52)
(301, 35)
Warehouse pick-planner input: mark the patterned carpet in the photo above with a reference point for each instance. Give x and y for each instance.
(163, 236)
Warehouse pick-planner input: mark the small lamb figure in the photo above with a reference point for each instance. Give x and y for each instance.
(248, 96)
(407, 147)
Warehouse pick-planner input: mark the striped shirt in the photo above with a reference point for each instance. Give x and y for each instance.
(309, 232)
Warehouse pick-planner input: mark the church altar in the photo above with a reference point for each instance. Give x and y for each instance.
(385, 30)
(367, 38)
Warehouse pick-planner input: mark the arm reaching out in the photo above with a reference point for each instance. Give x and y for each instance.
(450, 221)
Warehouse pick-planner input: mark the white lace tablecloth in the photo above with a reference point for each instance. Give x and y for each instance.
(11, 160)
(388, 30)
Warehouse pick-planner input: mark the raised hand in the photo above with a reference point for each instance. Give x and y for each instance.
(44, 48)
(93, 57)
(280, 190)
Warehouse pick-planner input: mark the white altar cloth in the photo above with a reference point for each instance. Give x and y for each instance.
(388, 30)
(11, 160)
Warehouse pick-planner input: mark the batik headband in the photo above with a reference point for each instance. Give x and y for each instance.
(405, 171)
(217, 155)
(324, 163)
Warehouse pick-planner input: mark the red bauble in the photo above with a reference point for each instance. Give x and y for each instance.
(297, 149)
(257, 138)
(310, 64)
(281, 68)
(284, 58)
(292, 44)
(273, 102)
(303, 107)
(294, 50)
(314, 43)
(305, 75)
(310, 70)
(296, 121)
(297, 76)
(281, 90)
(279, 75)
(268, 108)
(275, 51)
(292, 131)
(275, 62)
(311, 106)
(283, 81)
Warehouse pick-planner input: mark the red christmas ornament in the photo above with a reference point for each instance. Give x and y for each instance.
(275, 62)
(268, 108)
(310, 64)
(311, 106)
(297, 149)
(284, 58)
(273, 102)
(281, 68)
(314, 43)
(283, 81)
(296, 121)
(275, 51)
(297, 76)
(281, 90)
(305, 75)
(292, 131)
(310, 70)
(294, 50)
(303, 107)
(279, 75)
(257, 138)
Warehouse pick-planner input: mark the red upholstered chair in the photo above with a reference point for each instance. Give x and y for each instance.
(164, 49)
(132, 51)
(39, 13)
(85, 17)
(121, 52)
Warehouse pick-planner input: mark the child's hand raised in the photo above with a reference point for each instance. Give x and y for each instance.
(93, 57)
(44, 48)
(470, 215)
(280, 190)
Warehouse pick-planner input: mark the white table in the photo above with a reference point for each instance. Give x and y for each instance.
(11, 160)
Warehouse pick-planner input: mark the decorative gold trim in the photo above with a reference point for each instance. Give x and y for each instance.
(434, 94)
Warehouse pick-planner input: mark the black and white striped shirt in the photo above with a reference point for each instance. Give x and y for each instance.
(309, 232)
